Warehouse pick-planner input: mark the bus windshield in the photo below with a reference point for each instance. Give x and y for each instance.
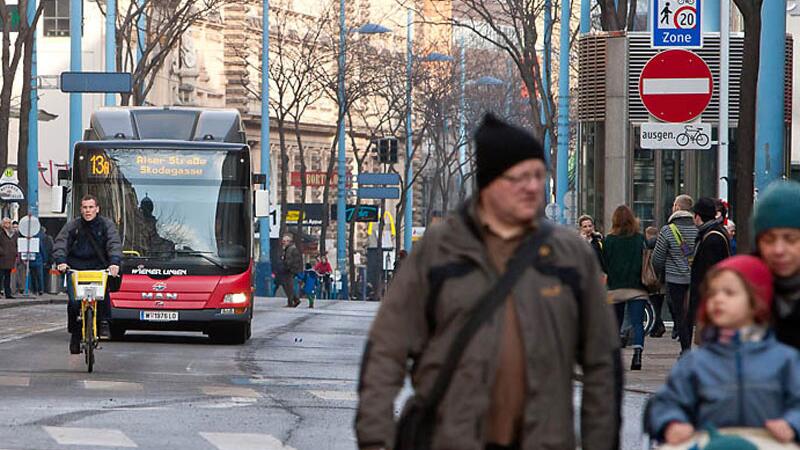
(187, 205)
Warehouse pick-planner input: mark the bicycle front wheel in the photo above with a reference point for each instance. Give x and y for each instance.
(649, 317)
(89, 338)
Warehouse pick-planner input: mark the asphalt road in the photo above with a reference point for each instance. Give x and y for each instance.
(292, 386)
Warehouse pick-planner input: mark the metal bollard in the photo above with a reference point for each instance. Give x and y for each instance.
(53, 281)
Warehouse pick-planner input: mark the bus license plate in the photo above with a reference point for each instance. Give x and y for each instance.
(158, 316)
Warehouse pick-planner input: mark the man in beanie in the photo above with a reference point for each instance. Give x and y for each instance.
(711, 247)
(511, 388)
(776, 227)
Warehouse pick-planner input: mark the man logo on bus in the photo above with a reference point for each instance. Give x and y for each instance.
(158, 287)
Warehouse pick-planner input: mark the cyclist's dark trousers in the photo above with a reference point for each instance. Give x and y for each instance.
(74, 310)
(677, 296)
(6, 275)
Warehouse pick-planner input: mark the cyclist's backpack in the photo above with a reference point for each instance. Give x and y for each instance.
(688, 252)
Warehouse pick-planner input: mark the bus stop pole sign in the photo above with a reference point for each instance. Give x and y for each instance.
(676, 24)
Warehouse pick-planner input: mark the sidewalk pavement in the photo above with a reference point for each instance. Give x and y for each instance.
(659, 355)
(21, 300)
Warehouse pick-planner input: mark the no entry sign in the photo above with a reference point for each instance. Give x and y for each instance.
(676, 86)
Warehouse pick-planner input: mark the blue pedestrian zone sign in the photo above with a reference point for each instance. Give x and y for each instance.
(676, 24)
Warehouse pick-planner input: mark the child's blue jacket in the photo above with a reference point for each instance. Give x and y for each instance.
(735, 384)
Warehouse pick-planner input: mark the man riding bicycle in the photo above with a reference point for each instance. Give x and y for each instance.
(89, 242)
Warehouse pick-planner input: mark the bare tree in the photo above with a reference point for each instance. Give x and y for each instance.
(296, 51)
(165, 23)
(27, 30)
(746, 133)
(617, 15)
(11, 56)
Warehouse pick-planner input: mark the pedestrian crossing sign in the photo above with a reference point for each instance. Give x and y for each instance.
(676, 24)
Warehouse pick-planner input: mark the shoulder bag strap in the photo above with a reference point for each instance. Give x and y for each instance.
(523, 258)
(677, 233)
(94, 243)
(724, 238)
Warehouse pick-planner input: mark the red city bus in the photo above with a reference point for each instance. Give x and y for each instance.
(178, 184)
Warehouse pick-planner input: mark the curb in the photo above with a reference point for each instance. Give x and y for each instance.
(32, 302)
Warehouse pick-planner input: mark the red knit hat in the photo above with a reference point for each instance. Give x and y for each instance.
(754, 272)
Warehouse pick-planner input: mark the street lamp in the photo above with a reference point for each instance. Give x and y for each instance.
(341, 218)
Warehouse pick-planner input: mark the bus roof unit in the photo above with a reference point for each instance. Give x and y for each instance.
(166, 123)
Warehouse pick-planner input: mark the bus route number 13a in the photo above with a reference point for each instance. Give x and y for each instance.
(100, 165)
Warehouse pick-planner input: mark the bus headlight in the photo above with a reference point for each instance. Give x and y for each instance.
(237, 298)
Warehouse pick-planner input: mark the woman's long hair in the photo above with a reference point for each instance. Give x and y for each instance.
(623, 222)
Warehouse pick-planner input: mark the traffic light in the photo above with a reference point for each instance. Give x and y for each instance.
(387, 150)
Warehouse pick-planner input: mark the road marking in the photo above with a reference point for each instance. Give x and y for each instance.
(111, 385)
(15, 381)
(336, 395)
(17, 337)
(89, 436)
(244, 441)
(230, 391)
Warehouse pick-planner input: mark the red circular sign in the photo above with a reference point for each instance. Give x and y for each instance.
(676, 86)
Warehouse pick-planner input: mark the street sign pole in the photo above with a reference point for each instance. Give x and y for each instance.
(724, 67)
(75, 65)
(33, 125)
(111, 45)
(264, 264)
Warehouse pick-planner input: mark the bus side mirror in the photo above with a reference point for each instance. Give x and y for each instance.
(58, 199)
(261, 202)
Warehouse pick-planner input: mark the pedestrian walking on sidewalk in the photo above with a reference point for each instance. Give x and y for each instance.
(711, 247)
(624, 248)
(490, 313)
(309, 282)
(291, 266)
(776, 227)
(595, 239)
(8, 255)
(673, 255)
(740, 376)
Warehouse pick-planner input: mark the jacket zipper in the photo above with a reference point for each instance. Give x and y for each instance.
(740, 385)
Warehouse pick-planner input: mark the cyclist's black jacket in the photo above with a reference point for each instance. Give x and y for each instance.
(74, 248)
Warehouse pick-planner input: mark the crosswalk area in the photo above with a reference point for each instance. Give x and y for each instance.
(245, 388)
(139, 402)
(101, 437)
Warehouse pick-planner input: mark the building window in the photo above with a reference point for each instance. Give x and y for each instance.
(56, 17)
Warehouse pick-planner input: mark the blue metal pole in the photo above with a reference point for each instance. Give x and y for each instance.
(75, 65)
(770, 114)
(586, 16)
(544, 106)
(264, 264)
(141, 24)
(33, 126)
(562, 181)
(111, 45)
(462, 114)
(341, 219)
(710, 13)
(409, 213)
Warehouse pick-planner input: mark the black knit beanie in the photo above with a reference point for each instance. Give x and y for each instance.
(500, 146)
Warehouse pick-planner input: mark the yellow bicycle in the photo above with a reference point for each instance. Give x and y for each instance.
(89, 287)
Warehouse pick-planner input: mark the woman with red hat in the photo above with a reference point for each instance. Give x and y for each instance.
(740, 376)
